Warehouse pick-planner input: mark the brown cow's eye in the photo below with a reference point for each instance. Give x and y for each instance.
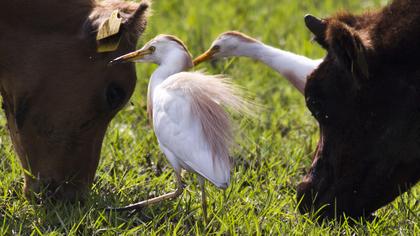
(317, 109)
(314, 107)
(115, 96)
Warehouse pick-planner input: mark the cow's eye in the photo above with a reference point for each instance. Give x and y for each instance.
(317, 109)
(115, 96)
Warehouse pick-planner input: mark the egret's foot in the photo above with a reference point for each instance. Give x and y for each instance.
(136, 207)
(132, 207)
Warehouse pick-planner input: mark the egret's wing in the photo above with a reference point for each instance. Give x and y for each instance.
(180, 131)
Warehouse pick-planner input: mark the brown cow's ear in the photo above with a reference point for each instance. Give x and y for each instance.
(137, 22)
(108, 36)
(114, 21)
(318, 28)
(347, 45)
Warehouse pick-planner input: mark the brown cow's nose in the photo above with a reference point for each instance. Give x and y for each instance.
(70, 192)
(66, 191)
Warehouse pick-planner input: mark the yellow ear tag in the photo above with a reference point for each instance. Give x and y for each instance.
(108, 37)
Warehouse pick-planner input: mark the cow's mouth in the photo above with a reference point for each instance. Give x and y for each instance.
(326, 193)
(323, 197)
(50, 190)
(308, 190)
(338, 185)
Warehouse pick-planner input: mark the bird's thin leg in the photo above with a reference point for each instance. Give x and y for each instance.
(202, 182)
(139, 205)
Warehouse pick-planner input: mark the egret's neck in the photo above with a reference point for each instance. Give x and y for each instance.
(162, 73)
(292, 66)
(171, 65)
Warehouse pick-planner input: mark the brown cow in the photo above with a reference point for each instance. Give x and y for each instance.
(58, 93)
(366, 98)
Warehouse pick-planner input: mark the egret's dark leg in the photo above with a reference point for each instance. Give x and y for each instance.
(202, 182)
(148, 202)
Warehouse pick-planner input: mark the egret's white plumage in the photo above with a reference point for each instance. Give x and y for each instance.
(235, 44)
(188, 110)
(189, 120)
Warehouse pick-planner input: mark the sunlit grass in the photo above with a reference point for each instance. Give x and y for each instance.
(273, 153)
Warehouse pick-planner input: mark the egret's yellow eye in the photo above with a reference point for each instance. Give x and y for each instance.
(215, 48)
(152, 48)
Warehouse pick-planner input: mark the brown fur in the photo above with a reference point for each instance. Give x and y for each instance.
(63, 16)
(59, 94)
(126, 10)
(365, 97)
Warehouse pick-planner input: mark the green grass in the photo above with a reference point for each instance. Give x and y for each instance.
(273, 153)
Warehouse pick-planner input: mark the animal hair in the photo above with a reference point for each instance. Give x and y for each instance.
(58, 15)
(133, 14)
(69, 15)
(391, 33)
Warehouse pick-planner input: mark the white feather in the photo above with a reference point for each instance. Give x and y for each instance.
(179, 131)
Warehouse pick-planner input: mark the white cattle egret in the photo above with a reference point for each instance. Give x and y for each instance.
(235, 44)
(188, 110)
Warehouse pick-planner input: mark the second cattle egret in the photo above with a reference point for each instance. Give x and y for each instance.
(235, 44)
(188, 110)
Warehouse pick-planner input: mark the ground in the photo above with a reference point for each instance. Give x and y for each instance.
(274, 150)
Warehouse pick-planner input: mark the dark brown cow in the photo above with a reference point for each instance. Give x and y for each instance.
(366, 98)
(58, 93)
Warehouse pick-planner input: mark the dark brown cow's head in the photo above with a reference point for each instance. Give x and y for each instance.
(58, 93)
(366, 98)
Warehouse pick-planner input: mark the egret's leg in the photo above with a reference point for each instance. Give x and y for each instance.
(148, 202)
(202, 182)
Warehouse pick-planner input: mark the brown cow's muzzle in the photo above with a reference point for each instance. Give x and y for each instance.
(51, 190)
(65, 177)
(59, 161)
(334, 187)
(313, 191)
(67, 185)
(340, 184)
(332, 199)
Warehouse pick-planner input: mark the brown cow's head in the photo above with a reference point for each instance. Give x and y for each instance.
(368, 111)
(59, 94)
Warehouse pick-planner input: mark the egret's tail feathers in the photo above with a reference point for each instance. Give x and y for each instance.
(211, 97)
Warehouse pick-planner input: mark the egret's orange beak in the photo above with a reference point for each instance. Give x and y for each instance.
(132, 56)
(205, 56)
